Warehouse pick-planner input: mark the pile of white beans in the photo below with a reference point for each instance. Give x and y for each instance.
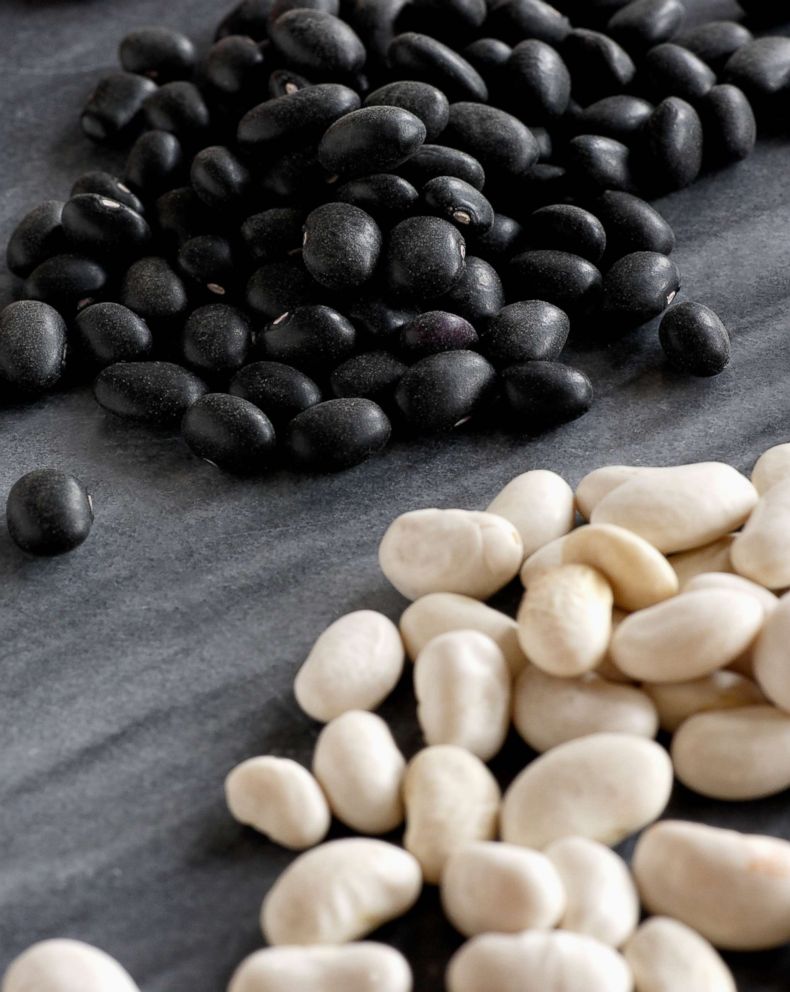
(660, 611)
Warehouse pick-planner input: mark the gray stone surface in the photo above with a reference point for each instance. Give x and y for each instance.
(138, 670)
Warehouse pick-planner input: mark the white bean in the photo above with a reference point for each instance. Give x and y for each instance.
(713, 557)
(543, 560)
(726, 580)
(364, 967)
(761, 551)
(66, 966)
(601, 481)
(677, 701)
(668, 956)
(771, 467)
(539, 504)
(771, 657)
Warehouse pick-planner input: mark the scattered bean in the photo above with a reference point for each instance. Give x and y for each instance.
(57, 965)
(665, 955)
(361, 967)
(48, 512)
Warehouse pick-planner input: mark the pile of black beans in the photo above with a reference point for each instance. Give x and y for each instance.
(350, 217)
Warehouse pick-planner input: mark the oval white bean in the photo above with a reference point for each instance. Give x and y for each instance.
(771, 658)
(364, 967)
(727, 580)
(771, 467)
(713, 557)
(601, 481)
(677, 701)
(340, 892)
(540, 506)
(666, 956)
(66, 966)
(761, 551)
(544, 560)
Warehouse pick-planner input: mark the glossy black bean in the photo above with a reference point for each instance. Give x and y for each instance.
(421, 99)
(341, 246)
(280, 391)
(418, 56)
(178, 107)
(451, 21)
(279, 286)
(209, 261)
(439, 160)
(337, 434)
(284, 82)
(386, 197)
(157, 52)
(219, 177)
(642, 24)
(527, 331)
(478, 295)
(65, 281)
(673, 142)
(235, 69)
(250, 17)
(728, 125)
(109, 332)
(514, 20)
(620, 116)
(434, 331)
(37, 237)
(424, 257)
(229, 432)
(598, 65)
(632, 225)
(32, 346)
(542, 395)
(216, 339)
(500, 242)
(539, 80)
(565, 227)
(379, 320)
(373, 139)
(111, 111)
(372, 375)
(107, 185)
(443, 390)
(694, 339)
(458, 202)
(298, 117)
(48, 512)
(151, 392)
(155, 163)
(153, 290)
(273, 233)
(181, 215)
(317, 43)
(715, 41)
(312, 338)
(761, 68)
(638, 287)
(294, 177)
(670, 70)
(499, 141)
(562, 278)
(103, 227)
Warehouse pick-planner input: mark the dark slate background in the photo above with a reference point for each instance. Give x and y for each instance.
(137, 671)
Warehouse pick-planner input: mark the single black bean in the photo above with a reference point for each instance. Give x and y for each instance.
(632, 225)
(499, 141)
(280, 7)
(283, 82)
(372, 375)
(249, 17)
(103, 227)
(151, 392)
(181, 215)
(295, 177)
(596, 163)
(451, 21)
(620, 116)
(216, 339)
(109, 333)
(542, 395)
(670, 70)
(478, 295)
(445, 389)
(235, 69)
(528, 331)
(337, 434)
(430, 161)
(379, 320)
(273, 233)
(312, 338)
(565, 227)
(642, 24)
(313, 41)
(673, 143)
(111, 111)
(386, 197)
(373, 139)
(209, 260)
(434, 331)
(694, 339)
(279, 286)
(421, 99)
(48, 512)
(489, 56)
(539, 80)
(341, 246)
(418, 56)
(374, 21)
(297, 117)
(638, 287)
(229, 432)
(715, 41)
(761, 68)
(562, 278)
(32, 346)
(280, 391)
(107, 185)
(514, 20)
(37, 237)
(155, 163)
(65, 281)
(153, 290)
(219, 178)
(598, 65)
(500, 242)
(424, 257)
(159, 53)
(728, 125)
(178, 107)
(460, 203)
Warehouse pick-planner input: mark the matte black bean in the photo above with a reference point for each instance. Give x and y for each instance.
(107, 185)
(295, 176)
(489, 56)
(642, 24)
(280, 7)
(443, 390)
(151, 392)
(153, 290)
(280, 391)
(728, 125)
(37, 237)
(673, 140)
(528, 331)
(562, 278)
(32, 346)
(371, 374)
(341, 246)
(337, 434)
(715, 41)
(379, 319)
(451, 21)
(250, 17)
(155, 163)
(499, 141)
(219, 178)
(632, 225)
(420, 57)
(65, 281)
(284, 82)
(638, 287)
(439, 160)
(279, 286)
(670, 70)
(598, 65)
(477, 295)
(235, 69)
(514, 20)
(109, 332)
(313, 41)
(424, 257)
(421, 99)
(500, 242)
(100, 226)
(386, 197)
(620, 116)
(159, 53)
(111, 111)
(311, 338)
(178, 107)
(181, 215)
(209, 261)
(694, 339)
(565, 227)
(373, 139)
(597, 163)
(48, 512)
(216, 339)
(273, 233)
(434, 331)
(543, 395)
(229, 432)
(761, 68)
(458, 202)
(297, 117)
(540, 81)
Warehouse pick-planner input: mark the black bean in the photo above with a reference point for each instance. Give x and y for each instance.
(598, 65)
(460, 203)
(500, 242)
(519, 19)
(155, 163)
(477, 295)
(373, 139)
(178, 107)
(451, 21)
(499, 141)
(111, 111)
(313, 41)
(673, 140)
(670, 70)
(421, 99)
(434, 331)
(337, 434)
(151, 392)
(281, 391)
(489, 56)
(159, 53)
(562, 278)
(250, 17)
(107, 185)
(280, 7)
(297, 117)
(153, 290)
(642, 24)
(279, 286)
(596, 163)
(283, 82)
(421, 57)
(632, 225)
(728, 125)
(48, 512)
(444, 390)
(104, 227)
(295, 176)
(637, 288)
(181, 215)
(565, 227)
(37, 237)
(371, 374)
(543, 395)
(439, 160)
(424, 257)
(379, 319)
(209, 260)
(715, 41)
(374, 21)
(236, 69)
(761, 68)
(539, 80)
(65, 281)
(216, 339)
(229, 432)
(109, 332)
(219, 178)
(620, 116)
(386, 197)
(695, 340)
(312, 338)
(273, 233)
(341, 246)
(32, 346)
(528, 331)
